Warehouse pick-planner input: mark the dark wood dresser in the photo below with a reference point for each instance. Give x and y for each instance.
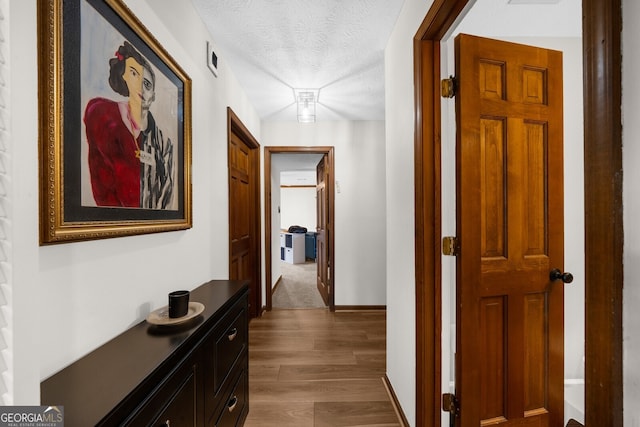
(194, 374)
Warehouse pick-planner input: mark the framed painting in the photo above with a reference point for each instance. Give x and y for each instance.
(115, 125)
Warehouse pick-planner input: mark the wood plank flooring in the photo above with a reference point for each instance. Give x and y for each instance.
(314, 368)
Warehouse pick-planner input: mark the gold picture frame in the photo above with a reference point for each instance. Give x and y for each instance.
(115, 125)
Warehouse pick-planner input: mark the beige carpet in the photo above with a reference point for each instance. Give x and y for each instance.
(297, 287)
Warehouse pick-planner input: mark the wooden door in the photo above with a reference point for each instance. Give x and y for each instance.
(510, 339)
(244, 211)
(322, 229)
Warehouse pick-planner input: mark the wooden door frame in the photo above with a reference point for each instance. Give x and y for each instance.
(235, 126)
(602, 86)
(268, 151)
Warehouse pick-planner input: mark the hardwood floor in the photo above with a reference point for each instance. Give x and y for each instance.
(318, 369)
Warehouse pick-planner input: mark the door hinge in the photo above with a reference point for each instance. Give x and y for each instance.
(450, 246)
(448, 87)
(450, 404)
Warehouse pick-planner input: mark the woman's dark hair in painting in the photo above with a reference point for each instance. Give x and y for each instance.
(117, 67)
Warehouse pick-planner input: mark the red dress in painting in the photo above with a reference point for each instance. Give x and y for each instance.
(114, 162)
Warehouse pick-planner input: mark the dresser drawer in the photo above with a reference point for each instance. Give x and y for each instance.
(236, 404)
(225, 356)
(229, 346)
(173, 403)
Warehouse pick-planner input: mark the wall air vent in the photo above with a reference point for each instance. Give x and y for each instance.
(212, 59)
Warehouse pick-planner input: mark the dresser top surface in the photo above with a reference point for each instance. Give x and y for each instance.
(95, 384)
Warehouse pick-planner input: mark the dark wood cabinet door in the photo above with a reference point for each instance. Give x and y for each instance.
(182, 409)
(174, 403)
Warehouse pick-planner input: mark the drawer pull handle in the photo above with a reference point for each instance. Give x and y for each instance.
(167, 423)
(232, 334)
(232, 403)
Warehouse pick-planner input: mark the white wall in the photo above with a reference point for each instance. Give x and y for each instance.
(298, 207)
(70, 298)
(24, 148)
(359, 205)
(399, 98)
(6, 217)
(631, 197)
(298, 198)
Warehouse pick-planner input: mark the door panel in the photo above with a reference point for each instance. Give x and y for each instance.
(239, 208)
(244, 209)
(509, 359)
(322, 229)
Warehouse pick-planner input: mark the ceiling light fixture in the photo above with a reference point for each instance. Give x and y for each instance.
(306, 100)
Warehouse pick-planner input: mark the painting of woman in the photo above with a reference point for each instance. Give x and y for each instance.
(130, 161)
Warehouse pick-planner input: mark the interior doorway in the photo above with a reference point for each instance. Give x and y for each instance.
(274, 227)
(563, 35)
(293, 196)
(603, 216)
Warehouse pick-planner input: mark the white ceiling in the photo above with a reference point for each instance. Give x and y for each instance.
(337, 46)
(276, 46)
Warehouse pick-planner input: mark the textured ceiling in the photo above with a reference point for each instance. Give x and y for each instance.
(337, 46)
(276, 46)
